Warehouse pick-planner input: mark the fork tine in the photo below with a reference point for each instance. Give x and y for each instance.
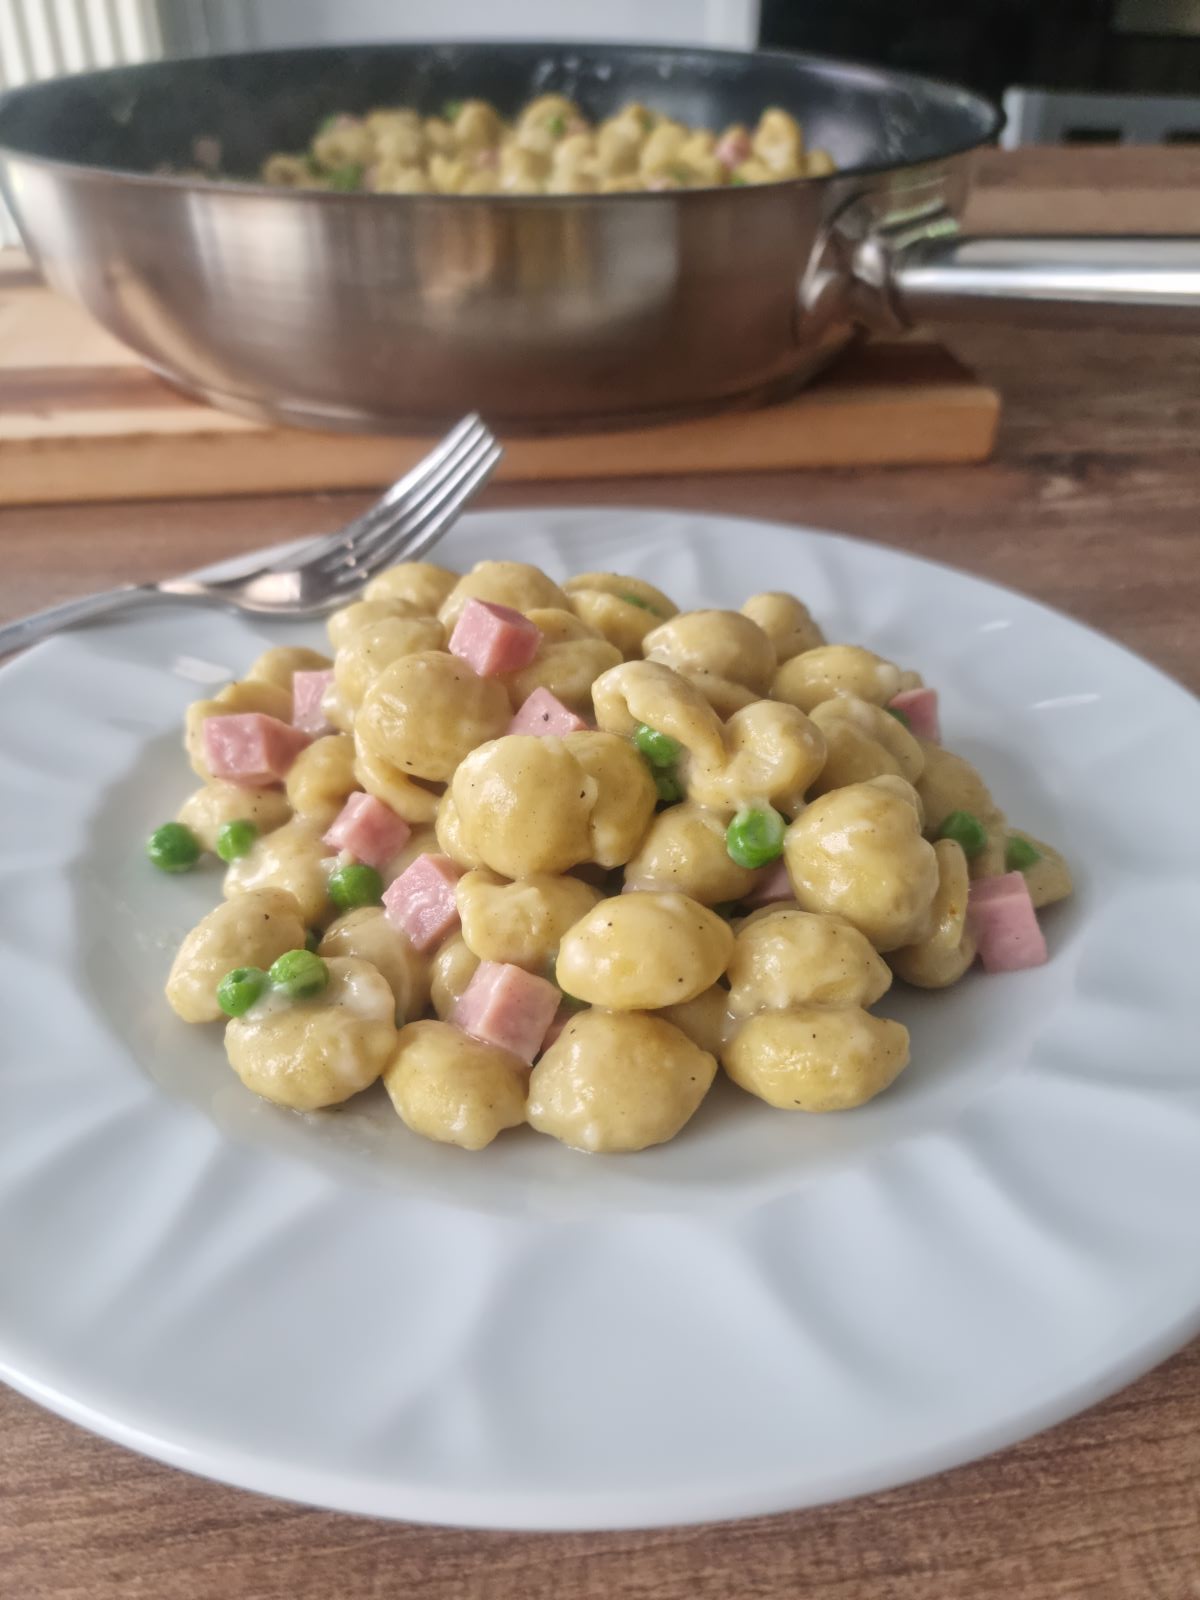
(382, 509)
(413, 489)
(353, 552)
(439, 524)
(409, 544)
(414, 535)
(411, 527)
(352, 565)
(471, 426)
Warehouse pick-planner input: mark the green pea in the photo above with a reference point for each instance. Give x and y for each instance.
(1019, 854)
(965, 828)
(347, 179)
(239, 989)
(643, 605)
(312, 939)
(299, 973)
(755, 837)
(355, 885)
(739, 183)
(556, 127)
(451, 110)
(236, 839)
(666, 781)
(659, 749)
(173, 848)
(902, 717)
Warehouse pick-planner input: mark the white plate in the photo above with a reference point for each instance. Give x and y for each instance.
(769, 1312)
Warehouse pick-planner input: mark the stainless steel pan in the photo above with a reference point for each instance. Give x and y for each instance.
(375, 312)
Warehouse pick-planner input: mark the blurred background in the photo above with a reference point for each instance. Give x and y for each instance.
(1111, 71)
(1067, 71)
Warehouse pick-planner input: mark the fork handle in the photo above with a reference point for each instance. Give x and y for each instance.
(28, 630)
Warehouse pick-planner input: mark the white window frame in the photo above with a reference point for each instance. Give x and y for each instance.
(205, 26)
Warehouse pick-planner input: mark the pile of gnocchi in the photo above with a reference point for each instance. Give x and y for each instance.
(549, 147)
(557, 855)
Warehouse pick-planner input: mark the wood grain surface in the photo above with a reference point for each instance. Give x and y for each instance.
(76, 425)
(1092, 503)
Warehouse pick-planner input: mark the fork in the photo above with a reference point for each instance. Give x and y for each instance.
(326, 572)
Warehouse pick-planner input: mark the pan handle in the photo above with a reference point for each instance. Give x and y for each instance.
(1151, 283)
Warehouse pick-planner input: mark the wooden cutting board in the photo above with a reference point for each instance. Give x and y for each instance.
(82, 419)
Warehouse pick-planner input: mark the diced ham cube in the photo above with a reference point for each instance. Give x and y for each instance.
(920, 706)
(371, 831)
(509, 1007)
(1001, 915)
(773, 884)
(421, 903)
(544, 714)
(308, 690)
(251, 749)
(733, 148)
(493, 639)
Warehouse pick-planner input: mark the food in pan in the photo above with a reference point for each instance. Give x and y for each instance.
(549, 147)
(556, 855)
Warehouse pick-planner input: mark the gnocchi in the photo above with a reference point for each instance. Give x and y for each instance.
(208, 810)
(621, 610)
(641, 951)
(523, 922)
(249, 930)
(295, 858)
(452, 1088)
(317, 1052)
(811, 1058)
(549, 147)
(425, 712)
(946, 947)
(367, 935)
(726, 644)
(858, 853)
(321, 778)
(566, 894)
(862, 742)
(618, 1081)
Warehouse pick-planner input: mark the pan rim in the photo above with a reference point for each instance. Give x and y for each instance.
(866, 73)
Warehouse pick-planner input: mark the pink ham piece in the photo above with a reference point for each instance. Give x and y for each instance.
(920, 706)
(308, 690)
(369, 830)
(509, 1007)
(251, 749)
(544, 714)
(1000, 914)
(773, 884)
(493, 639)
(733, 148)
(421, 903)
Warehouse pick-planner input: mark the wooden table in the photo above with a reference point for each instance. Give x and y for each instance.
(1092, 504)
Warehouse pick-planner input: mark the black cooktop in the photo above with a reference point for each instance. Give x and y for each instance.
(1103, 45)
